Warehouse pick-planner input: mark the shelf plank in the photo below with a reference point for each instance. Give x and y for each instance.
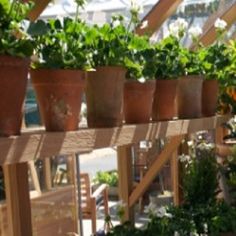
(33, 144)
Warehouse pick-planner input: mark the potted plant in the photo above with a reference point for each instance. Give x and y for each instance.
(58, 76)
(139, 84)
(104, 90)
(171, 62)
(216, 59)
(15, 51)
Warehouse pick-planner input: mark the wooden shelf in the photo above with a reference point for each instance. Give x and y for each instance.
(36, 143)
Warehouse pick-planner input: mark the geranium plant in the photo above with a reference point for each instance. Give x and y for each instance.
(13, 39)
(60, 43)
(171, 55)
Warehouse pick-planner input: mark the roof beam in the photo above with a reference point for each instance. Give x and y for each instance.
(157, 16)
(38, 8)
(229, 15)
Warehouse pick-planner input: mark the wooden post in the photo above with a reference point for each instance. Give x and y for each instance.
(175, 177)
(124, 158)
(18, 199)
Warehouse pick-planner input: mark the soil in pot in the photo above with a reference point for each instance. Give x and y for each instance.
(189, 97)
(164, 104)
(13, 82)
(138, 98)
(104, 96)
(209, 97)
(59, 94)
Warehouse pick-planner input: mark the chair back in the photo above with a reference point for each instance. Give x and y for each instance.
(85, 192)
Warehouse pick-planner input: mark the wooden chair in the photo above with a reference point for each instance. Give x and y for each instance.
(90, 201)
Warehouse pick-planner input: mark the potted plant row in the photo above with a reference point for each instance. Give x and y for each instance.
(106, 61)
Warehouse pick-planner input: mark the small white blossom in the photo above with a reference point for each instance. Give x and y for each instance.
(184, 158)
(176, 233)
(161, 212)
(173, 29)
(195, 32)
(135, 6)
(142, 80)
(190, 143)
(144, 24)
(220, 24)
(116, 23)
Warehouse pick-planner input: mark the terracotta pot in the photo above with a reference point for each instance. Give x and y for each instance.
(138, 98)
(13, 82)
(59, 93)
(209, 97)
(104, 95)
(164, 104)
(189, 97)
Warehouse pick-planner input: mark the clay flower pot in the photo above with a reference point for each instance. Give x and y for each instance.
(59, 93)
(138, 98)
(164, 104)
(13, 82)
(189, 97)
(104, 96)
(209, 97)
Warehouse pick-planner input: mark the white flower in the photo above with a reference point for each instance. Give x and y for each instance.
(142, 80)
(144, 24)
(173, 29)
(220, 24)
(195, 31)
(190, 143)
(116, 23)
(184, 158)
(178, 27)
(176, 233)
(161, 212)
(135, 6)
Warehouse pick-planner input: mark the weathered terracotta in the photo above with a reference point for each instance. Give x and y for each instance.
(59, 93)
(104, 96)
(189, 97)
(164, 104)
(13, 82)
(138, 98)
(209, 97)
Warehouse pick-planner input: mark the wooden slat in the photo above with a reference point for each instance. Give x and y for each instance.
(229, 15)
(47, 173)
(34, 177)
(34, 144)
(163, 157)
(124, 159)
(17, 199)
(157, 16)
(40, 5)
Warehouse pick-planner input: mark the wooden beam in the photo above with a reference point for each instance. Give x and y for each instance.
(38, 8)
(124, 161)
(229, 15)
(33, 144)
(18, 199)
(160, 161)
(157, 16)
